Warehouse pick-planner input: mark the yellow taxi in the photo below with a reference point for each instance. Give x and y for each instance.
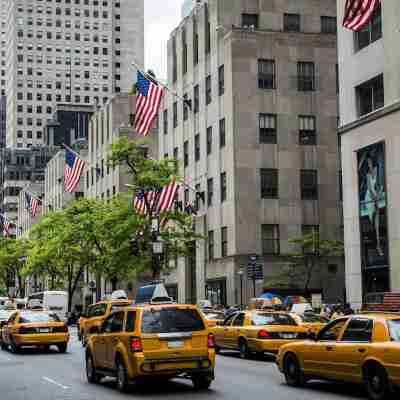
(96, 314)
(257, 332)
(153, 340)
(34, 328)
(213, 317)
(362, 348)
(4, 316)
(313, 322)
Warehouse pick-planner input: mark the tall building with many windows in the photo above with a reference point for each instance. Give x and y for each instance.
(369, 64)
(65, 51)
(259, 141)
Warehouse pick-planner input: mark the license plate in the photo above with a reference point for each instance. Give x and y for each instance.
(288, 335)
(175, 344)
(44, 330)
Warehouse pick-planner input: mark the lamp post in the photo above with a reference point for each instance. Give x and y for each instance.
(240, 273)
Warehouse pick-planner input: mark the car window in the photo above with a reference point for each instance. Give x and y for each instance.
(260, 319)
(117, 322)
(394, 329)
(107, 324)
(239, 320)
(312, 319)
(229, 319)
(214, 315)
(332, 330)
(27, 317)
(130, 321)
(358, 330)
(117, 307)
(169, 320)
(98, 310)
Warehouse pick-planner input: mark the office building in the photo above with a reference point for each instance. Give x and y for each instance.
(3, 121)
(260, 140)
(369, 64)
(65, 51)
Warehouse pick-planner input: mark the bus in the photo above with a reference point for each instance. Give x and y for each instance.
(55, 301)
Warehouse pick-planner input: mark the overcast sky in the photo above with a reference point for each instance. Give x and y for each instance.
(161, 17)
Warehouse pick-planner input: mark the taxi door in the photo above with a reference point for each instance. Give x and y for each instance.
(99, 343)
(235, 330)
(221, 330)
(319, 357)
(7, 329)
(112, 337)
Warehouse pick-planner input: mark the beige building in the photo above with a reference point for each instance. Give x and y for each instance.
(369, 63)
(260, 139)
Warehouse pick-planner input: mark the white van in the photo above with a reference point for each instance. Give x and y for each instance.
(54, 300)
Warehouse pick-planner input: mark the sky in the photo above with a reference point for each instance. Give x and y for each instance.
(160, 18)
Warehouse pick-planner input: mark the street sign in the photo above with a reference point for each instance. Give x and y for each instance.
(255, 270)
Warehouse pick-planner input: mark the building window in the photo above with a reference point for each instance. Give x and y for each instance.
(250, 21)
(222, 133)
(224, 241)
(210, 191)
(266, 74)
(307, 133)
(175, 114)
(210, 245)
(184, 52)
(186, 153)
(312, 231)
(174, 61)
(185, 107)
(196, 99)
(165, 122)
(209, 140)
(208, 89)
(269, 183)
(328, 24)
(309, 184)
(267, 126)
(207, 30)
(223, 186)
(370, 95)
(305, 76)
(195, 42)
(221, 80)
(270, 239)
(371, 32)
(197, 148)
(291, 22)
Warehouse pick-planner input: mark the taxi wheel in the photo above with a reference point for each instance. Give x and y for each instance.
(91, 374)
(377, 383)
(4, 346)
(14, 347)
(244, 349)
(293, 373)
(62, 348)
(122, 376)
(201, 382)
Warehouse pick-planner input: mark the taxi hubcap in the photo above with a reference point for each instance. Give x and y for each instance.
(376, 383)
(292, 369)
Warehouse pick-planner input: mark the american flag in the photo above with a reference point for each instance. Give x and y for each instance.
(147, 104)
(73, 170)
(358, 13)
(139, 202)
(5, 225)
(167, 197)
(32, 203)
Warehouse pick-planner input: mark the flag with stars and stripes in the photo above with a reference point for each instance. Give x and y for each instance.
(148, 102)
(32, 204)
(358, 13)
(167, 197)
(139, 202)
(73, 170)
(6, 226)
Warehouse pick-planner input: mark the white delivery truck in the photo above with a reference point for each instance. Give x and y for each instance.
(55, 301)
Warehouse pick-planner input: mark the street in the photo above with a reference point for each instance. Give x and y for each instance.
(51, 376)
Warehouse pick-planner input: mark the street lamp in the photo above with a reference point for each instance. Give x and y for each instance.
(241, 273)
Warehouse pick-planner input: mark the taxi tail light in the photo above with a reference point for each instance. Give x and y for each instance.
(211, 341)
(263, 334)
(136, 345)
(26, 330)
(60, 329)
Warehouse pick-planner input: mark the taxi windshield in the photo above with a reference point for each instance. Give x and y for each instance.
(171, 320)
(394, 328)
(259, 319)
(42, 317)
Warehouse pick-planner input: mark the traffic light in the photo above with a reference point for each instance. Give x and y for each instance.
(134, 247)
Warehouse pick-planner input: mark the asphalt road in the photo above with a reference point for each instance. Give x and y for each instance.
(35, 375)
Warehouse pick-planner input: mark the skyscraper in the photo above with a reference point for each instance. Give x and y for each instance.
(65, 51)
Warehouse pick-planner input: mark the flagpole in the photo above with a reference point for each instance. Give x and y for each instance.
(150, 77)
(32, 195)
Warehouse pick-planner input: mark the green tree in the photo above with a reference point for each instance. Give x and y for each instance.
(12, 262)
(313, 253)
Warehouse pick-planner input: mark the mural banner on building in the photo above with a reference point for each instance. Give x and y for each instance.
(373, 218)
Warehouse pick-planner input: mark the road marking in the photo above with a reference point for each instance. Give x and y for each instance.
(45, 378)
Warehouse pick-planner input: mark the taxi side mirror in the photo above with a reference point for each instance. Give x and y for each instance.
(94, 330)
